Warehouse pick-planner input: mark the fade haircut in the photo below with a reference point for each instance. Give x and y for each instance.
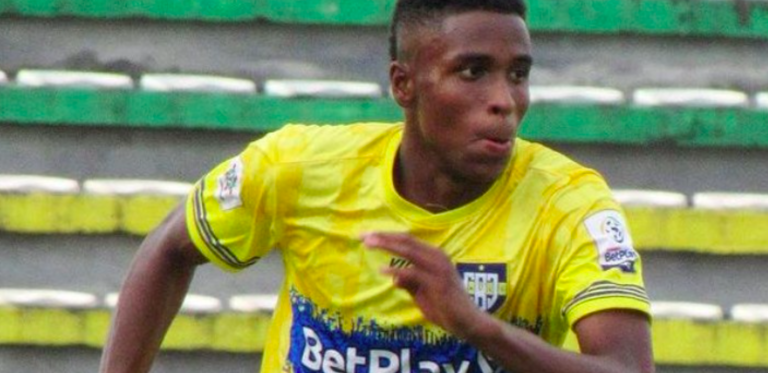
(409, 13)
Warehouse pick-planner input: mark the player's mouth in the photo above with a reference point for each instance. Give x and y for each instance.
(498, 147)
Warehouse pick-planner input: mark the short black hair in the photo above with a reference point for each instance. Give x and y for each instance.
(420, 12)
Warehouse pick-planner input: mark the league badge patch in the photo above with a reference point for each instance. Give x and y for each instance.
(614, 244)
(229, 186)
(486, 283)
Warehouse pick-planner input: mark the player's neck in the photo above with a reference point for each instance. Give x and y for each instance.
(419, 180)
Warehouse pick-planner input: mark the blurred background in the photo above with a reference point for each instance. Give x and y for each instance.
(110, 110)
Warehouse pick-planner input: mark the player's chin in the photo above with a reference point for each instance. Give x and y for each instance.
(485, 171)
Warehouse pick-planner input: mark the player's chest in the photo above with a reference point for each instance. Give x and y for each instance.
(339, 266)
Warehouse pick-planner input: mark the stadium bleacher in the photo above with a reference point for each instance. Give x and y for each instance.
(699, 221)
(715, 223)
(701, 120)
(690, 17)
(761, 100)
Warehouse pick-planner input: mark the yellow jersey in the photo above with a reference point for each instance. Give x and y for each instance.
(543, 247)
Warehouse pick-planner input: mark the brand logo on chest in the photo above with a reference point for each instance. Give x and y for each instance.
(486, 283)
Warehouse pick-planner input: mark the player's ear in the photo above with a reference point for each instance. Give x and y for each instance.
(401, 83)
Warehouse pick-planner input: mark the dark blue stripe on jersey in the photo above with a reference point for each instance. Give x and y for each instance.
(210, 239)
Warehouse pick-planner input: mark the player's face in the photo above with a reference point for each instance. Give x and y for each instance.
(469, 93)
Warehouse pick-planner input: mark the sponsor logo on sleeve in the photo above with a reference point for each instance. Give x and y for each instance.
(485, 283)
(613, 242)
(229, 186)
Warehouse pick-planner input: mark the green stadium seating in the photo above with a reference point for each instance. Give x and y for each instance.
(555, 122)
(182, 109)
(682, 17)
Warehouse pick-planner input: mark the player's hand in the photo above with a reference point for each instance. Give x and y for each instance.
(432, 281)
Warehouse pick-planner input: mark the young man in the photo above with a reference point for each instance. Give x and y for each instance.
(492, 247)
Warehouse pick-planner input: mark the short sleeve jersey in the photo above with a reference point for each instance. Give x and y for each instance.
(545, 246)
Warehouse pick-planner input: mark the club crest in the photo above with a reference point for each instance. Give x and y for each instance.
(486, 283)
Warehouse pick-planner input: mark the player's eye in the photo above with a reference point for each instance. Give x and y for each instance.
(519, 75)
(473, 72)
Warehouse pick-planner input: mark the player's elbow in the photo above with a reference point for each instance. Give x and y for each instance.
(170, 241)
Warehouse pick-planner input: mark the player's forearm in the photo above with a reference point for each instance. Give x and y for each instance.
(150, 298)
(517, 350)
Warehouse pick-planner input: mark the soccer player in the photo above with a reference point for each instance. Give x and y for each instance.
(441, 244)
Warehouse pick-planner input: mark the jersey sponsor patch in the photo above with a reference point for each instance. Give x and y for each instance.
(319, 344)
(229, 186)
(486, 283)
(613, 242)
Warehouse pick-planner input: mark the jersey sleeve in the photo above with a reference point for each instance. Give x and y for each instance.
(600, 269)
(230, 217)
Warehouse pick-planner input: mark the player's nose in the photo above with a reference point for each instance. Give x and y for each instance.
(501, 98)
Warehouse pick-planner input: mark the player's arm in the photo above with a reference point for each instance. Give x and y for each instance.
(611, 341)
(151, 295)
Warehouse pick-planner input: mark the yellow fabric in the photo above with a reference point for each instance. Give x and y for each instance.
(523, 249)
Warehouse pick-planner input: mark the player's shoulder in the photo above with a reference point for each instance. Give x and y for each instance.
(557, 176)
(308, 142)
(542, 159)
